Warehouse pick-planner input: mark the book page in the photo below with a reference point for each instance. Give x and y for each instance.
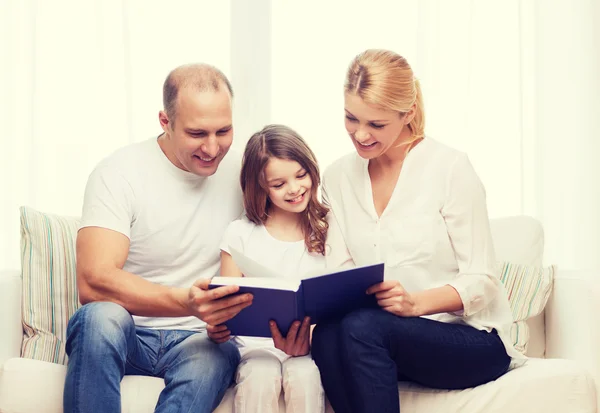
(335, 270)
(259, 282)
(249, 267)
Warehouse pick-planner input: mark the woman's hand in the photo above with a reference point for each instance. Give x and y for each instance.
(297, 341)
(219, 334)
(392, 297)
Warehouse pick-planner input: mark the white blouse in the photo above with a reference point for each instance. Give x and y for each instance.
(434, 231)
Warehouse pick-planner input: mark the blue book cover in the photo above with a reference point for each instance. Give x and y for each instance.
(335, 294)
(283, 305)
(285, 300)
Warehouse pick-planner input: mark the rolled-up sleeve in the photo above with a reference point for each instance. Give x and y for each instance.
(467, 222)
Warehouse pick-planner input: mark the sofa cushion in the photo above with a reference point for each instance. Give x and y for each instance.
(49, 293)
(23, 377)
(520, 240)
(540, 386)
(528, 288)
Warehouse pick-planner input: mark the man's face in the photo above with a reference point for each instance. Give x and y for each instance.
(203, 132)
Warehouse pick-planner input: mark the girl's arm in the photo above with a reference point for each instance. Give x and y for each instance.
(228, 266)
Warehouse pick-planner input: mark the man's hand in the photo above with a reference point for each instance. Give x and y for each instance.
(297, 341)
(392, 297)
(219, 334)
(214, 307)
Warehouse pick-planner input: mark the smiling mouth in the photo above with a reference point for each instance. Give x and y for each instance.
(296, 200)
(205, 159)
(366, 145)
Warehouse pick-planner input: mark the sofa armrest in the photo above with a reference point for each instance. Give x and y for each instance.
(11, 330)
(572, 325)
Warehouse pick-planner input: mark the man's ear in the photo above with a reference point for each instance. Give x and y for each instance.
(165, 124)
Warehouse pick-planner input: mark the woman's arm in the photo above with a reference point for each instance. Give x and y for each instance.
(468, 226)
(392, 297)
(228, 266)
(437, 300)
(467, 223)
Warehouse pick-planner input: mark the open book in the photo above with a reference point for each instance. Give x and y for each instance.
(319, 296)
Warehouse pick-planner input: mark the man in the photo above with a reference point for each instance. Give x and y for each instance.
(153, 216)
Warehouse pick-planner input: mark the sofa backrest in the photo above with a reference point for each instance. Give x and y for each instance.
(520, 240)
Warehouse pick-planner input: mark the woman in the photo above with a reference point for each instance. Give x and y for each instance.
(419, 206)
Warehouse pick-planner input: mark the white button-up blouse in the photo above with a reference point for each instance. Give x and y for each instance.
(434, 231)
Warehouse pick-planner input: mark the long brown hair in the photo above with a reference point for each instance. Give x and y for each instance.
(385, 79)
(278, 141)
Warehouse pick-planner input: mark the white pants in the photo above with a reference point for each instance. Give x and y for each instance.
(261, 376)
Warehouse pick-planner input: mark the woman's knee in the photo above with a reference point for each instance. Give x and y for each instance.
(363, 324)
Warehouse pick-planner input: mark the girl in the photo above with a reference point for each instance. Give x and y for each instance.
(285, 229)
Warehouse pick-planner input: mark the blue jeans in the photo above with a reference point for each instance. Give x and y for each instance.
(104, 344)
(363, 356)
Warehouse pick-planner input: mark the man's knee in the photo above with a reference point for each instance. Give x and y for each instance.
(204, 358)
(103, 320)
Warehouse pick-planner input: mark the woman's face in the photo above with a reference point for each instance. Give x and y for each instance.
(373, 130)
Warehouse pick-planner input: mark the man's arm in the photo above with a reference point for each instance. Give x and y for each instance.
(101, 255)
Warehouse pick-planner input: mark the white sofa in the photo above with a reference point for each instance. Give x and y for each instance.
(566, 330)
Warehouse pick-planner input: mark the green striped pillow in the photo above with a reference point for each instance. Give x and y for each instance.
(528, 290)
(49, 295)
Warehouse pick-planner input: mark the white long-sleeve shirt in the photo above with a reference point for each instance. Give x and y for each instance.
(433, 232)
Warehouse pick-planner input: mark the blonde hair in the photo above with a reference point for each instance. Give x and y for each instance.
(385, 79)
(278, 141)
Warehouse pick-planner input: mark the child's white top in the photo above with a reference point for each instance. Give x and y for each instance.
(290, 259)
(434, 231)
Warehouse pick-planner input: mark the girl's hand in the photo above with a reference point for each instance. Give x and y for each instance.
(297, 341)
(219, 334)
(392, 297)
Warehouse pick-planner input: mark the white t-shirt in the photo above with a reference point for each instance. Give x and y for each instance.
(434, 231)
(173, 218)
(289, 259)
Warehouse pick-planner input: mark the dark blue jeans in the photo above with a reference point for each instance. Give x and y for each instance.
(104, 344)
(363, 356)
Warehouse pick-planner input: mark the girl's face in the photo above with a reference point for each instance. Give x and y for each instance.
(289, 185)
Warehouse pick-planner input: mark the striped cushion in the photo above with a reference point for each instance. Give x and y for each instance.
(49, 284)
(528, 290)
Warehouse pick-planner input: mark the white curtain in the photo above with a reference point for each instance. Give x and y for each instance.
(514, 84)
(81, 78)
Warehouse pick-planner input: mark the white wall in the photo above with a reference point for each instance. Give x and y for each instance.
(513, 83)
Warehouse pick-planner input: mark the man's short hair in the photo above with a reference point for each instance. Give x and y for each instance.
(202, 77)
